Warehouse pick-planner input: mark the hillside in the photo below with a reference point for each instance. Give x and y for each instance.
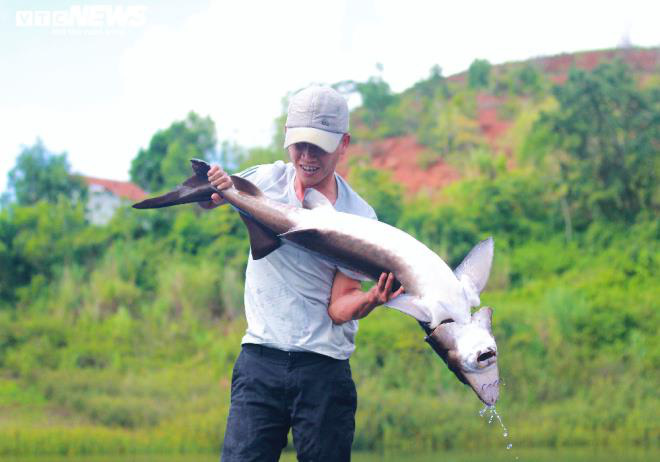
(498, 114)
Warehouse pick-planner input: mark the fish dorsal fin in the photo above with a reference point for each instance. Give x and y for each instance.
(315, 199)
(476, 265)
(246, 186)
(200, 167)
(262, 240)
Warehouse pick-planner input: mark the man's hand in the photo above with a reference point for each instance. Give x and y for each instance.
(220, 180)
(382, 291)
(347, 301)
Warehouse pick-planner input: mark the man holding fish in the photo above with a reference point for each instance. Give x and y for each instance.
(303, 297)
(302, 311)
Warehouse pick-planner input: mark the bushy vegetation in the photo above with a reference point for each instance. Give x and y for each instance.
(121, 338)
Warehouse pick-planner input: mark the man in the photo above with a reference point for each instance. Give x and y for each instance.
(302, 311)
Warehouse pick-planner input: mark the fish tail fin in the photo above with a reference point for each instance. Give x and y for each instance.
(195, 189)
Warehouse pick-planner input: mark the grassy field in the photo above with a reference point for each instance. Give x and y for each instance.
(578, 355)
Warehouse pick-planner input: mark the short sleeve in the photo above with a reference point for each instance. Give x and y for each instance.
(265, 175)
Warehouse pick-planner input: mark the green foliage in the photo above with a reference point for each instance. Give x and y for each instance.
(382, 113)
(376, 187)
(479, 74)
(160, 165)
(42, 175)
(601, 144)
(35, 241)
(376, 97)
(449, 126)
(433, 86)
(528, 80)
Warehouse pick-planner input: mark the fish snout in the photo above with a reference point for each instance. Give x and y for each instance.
(489, 393)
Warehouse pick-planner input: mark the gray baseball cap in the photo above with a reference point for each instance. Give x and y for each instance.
(317, 115)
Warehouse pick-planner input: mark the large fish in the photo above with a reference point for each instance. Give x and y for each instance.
(439, 298)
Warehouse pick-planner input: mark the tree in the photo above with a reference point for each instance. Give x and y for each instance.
(450, 126)
(42, 175)
(435, 86)
(379, 190)
(376, 97)
(479, 73)
(602, 143)
(36, 241)
(527, 80)
(166, 161)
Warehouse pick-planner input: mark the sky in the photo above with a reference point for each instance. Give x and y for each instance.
(96, 79)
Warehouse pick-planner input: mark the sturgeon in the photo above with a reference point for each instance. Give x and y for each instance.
(437, 297)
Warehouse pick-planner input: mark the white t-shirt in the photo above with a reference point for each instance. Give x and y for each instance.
(287, 292)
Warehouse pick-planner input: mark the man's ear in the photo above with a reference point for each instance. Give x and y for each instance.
(345, 141)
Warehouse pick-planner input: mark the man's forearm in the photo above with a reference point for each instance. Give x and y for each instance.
(352, 305)
(348, 302)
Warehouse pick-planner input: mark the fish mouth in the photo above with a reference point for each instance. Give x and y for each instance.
(484, 379)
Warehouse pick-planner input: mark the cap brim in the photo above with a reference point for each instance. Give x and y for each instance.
(327, 141)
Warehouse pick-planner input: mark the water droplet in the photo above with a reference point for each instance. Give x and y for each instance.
(509, 446)
(492, 414)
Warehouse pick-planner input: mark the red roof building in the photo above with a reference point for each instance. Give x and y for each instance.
(105, 196)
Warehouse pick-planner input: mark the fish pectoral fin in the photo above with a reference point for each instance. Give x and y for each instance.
(262, 240)
(246, 186)
(410, 305)
(315, 199)
(301, 236)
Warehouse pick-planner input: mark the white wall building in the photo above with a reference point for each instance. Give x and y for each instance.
(105, 196)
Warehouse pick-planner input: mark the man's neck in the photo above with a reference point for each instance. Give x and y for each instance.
(327, 187)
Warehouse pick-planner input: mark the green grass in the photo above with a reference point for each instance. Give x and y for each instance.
(576, 332)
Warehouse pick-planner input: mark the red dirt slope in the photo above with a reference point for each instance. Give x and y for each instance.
(400, 155)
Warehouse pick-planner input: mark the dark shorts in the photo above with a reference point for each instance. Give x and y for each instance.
(273, 391)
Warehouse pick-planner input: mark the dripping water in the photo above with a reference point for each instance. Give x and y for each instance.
(491, 413)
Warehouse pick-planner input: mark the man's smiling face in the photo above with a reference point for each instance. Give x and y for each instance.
(313, 165)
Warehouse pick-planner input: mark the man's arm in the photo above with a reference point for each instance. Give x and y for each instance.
(348, 302)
